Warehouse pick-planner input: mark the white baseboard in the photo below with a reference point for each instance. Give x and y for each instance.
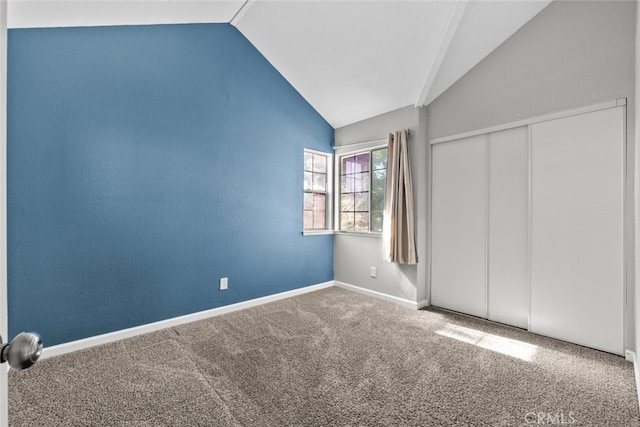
(632, 357)
(396, 300)
(423, 303)
(72, 346)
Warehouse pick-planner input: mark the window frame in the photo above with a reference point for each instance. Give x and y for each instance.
(328, 208)
(344, 152)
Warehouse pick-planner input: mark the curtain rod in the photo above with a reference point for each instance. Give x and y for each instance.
(336, 147)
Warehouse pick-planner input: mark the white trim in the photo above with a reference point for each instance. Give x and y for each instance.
(632, 357)
(430, 226)
(455, 15)
(338, 184)
(626, 204)
(529, 219)
(365, 144)
(82, 344)
(389, 298)
(329, 198)
(487, 214)
(364, 147)
(322, 153)
(316, 232)
(374, 234)
(85, 343)
(557, 115)
(373, 144)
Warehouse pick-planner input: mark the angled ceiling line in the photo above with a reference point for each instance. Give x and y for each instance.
(240, 13)
(446, 36)
(332, 51)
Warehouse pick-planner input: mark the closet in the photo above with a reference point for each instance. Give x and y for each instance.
(527, 225)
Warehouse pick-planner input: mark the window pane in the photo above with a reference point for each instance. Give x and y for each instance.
(377, 201)
(316, 187)
(361, 182)
(347, 221)
(308, 161)
(319, 219)
(378, 180)
(319, 163)
(362, 202)
(376, 221)
(319, 182)
(347, 202)
(362, 221)
(379, 159)
(319, 202)
(308, 219)
(346, 184)
(308, 201)
(362, 163)
(308, 180)
(348, 166)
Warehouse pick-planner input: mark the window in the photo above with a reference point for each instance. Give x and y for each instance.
(317, 178)
(363, 178)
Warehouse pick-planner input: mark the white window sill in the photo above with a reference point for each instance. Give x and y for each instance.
(374, 234)
(360, 233)
(316, 232)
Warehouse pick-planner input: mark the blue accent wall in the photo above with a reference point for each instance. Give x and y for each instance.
(144, 164)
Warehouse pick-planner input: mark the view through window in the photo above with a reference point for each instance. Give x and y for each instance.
(363, 178)
(315, 190)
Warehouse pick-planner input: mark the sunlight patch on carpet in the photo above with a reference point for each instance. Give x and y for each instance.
(506, 346)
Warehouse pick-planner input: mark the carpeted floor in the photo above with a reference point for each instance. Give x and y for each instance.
(329, 358)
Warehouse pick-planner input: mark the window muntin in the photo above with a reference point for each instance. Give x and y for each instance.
(362, 185)
(315, 190)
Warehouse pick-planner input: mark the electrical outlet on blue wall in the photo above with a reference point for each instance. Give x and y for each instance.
(160, 151)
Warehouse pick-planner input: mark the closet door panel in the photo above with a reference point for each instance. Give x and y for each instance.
(577, 229)
(508, 285)
(458, 263)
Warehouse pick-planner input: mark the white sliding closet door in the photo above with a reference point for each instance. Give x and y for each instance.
(508, 288)
(458, 245)
(577, 229)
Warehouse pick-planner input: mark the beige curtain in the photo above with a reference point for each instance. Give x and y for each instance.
(398, 227)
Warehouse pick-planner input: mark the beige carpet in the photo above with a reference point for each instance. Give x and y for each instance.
(329, 358)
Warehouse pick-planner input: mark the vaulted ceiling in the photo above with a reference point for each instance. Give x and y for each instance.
(350, 60)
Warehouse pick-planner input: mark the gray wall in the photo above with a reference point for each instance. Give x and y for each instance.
(570, 55)
(354, 255)
(637, 178)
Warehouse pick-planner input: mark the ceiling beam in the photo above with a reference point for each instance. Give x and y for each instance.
(455, 15)
(240, 13)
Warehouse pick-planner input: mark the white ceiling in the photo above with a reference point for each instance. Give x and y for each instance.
(350, 60)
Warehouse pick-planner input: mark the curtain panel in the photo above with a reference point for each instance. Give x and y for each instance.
(398, 227)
